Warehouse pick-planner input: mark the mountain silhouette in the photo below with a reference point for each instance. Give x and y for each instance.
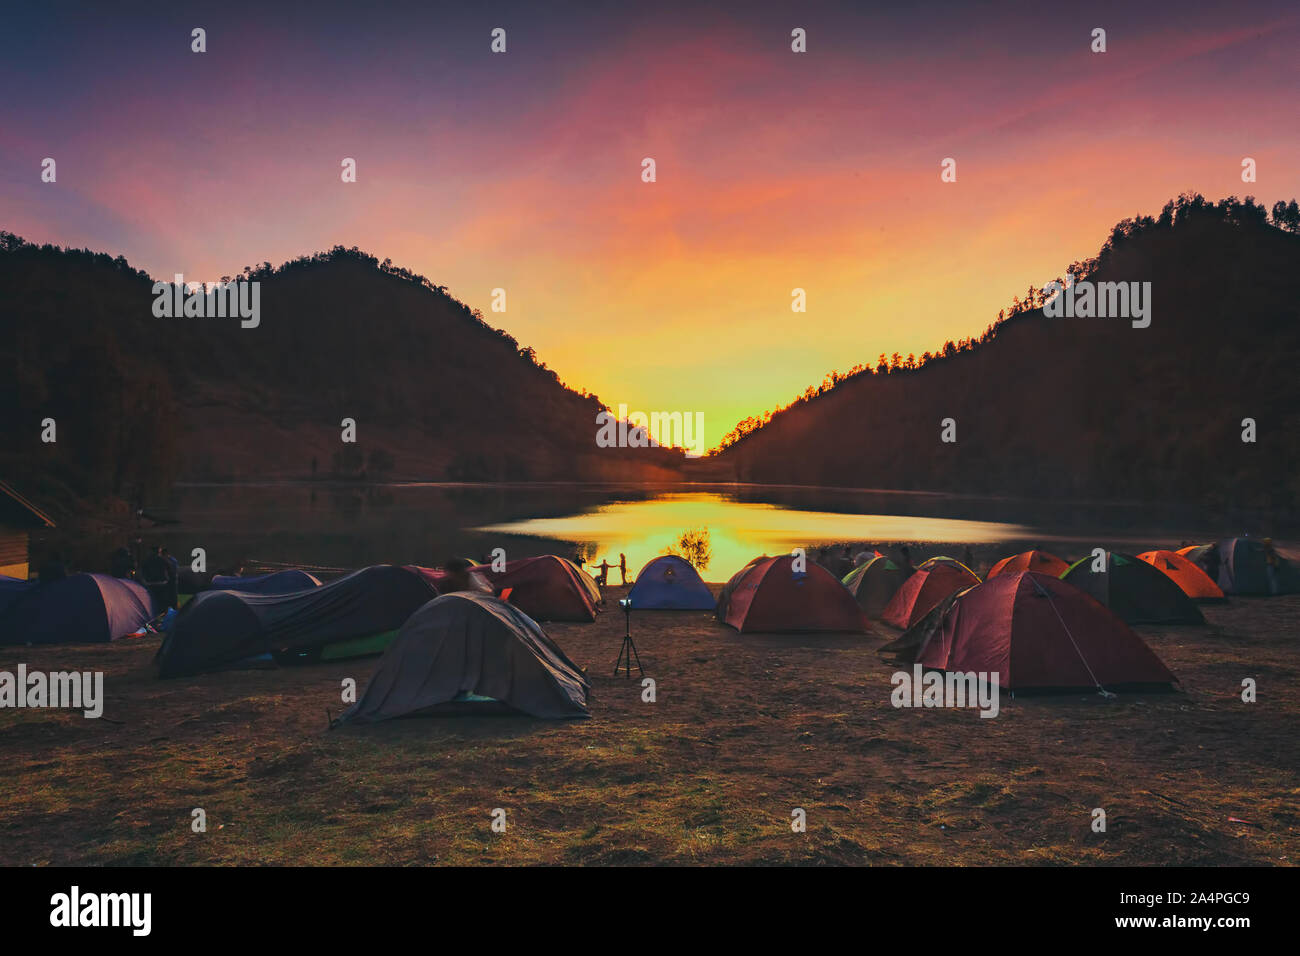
(1047, 407)
(1083, 407)
(140, 401)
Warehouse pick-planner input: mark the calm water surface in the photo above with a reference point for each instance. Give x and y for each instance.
(349, 526)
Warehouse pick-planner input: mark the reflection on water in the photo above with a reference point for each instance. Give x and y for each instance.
(738, 530)
(333, 525)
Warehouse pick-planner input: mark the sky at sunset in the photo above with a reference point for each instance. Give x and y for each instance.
(775, 170)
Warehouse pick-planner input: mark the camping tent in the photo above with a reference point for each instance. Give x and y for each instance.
(929, 564)
(466, 651)
(670, 582)
(11, 589)
(278, 582)
(1196, 584)
(548, 588)
(724, 596)
(223, 627)
(874, 583)
(78, 609)
(770, 596)
(925, 588)
(1134, 590)
(1195, 552)
(1035, 631)
(1040, 561)
(1242, 568)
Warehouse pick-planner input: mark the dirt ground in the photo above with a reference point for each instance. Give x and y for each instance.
(743, 730)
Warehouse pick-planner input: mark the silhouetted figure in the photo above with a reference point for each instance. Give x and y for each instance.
(53, 569)
(622, 566)
(159, 580)
(905, 561)
(1270, 565)
(174, 595)
(461, 578)
(603, 577)
(121, 564)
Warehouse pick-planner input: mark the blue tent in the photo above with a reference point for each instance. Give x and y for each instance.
(280, 582)
(669, 582)
(78, 609)
(11, 589)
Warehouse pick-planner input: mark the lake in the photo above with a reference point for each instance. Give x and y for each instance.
(348, 526)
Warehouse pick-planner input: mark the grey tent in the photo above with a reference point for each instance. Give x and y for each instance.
(218, 628)
(1244, 568)
(277, 582)
(467, 649)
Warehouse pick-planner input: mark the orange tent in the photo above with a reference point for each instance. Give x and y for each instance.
(1039, 561)
(1194, 582)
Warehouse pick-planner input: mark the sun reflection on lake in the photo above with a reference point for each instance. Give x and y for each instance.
(738, 530)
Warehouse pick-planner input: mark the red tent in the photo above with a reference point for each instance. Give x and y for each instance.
(548, 588)
(925, 589)
(770, 596)
(1035, 630)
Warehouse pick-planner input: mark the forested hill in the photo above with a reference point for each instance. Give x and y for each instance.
(140, 400)
(1083, 407)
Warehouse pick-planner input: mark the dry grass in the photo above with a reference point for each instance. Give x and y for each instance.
(744, 729)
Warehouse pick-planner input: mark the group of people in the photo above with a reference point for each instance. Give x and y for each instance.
(603, 569)
(159, 573)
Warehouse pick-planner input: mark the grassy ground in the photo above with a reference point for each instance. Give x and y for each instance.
(744, 729)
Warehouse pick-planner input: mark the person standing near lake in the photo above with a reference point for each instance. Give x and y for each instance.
(603, 577)
(121, 564)
(1270, 565)
(173, 579)
(159, 580)
(622, 566)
